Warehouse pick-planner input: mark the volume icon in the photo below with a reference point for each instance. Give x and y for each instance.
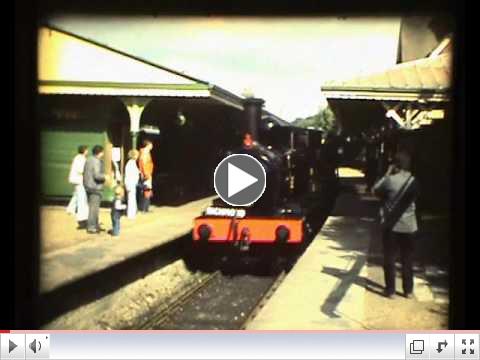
(35, 346)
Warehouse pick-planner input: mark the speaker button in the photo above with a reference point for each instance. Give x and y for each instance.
(37, 346)
(13, 346)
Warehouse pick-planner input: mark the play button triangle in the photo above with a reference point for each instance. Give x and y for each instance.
(11, 346)
(238, 180)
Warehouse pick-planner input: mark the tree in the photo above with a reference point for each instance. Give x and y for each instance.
(324, 120)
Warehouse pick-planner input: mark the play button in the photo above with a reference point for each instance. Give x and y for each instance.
(239, 180)
(11, 346)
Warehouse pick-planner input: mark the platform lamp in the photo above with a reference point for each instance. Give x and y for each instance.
(181, 119)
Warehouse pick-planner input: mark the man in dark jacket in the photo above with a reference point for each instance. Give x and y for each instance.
(399, 189)
(93, 180)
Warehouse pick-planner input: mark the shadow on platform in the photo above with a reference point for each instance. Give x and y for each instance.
(356, 212)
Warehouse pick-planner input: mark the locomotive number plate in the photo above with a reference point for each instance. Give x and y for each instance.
(228, 212)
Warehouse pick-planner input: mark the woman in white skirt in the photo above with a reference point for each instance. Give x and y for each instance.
(132, 176)
(78, 204)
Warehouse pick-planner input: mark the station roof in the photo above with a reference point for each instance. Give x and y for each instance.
(69, 64)
(428, 79)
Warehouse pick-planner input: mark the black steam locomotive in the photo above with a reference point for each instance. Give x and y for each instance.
(301, 184)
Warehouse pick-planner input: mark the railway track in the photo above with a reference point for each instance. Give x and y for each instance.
(219, 302)
(263, 300)
(160, 316)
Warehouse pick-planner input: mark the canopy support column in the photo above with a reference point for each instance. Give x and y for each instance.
(135, 107)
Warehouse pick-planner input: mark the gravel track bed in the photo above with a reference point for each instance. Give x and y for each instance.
(131, 304)
(224, 303)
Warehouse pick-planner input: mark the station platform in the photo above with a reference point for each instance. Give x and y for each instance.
(337, 284)
(69, 254)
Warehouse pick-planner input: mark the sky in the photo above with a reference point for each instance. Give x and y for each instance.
(285, 61)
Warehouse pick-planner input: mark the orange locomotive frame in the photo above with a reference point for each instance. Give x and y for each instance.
(256, 229)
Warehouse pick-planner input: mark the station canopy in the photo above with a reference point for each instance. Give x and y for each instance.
(409, 92)
(427, 79)
(71, 65)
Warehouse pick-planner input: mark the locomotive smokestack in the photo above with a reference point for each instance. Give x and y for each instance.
(253, 115)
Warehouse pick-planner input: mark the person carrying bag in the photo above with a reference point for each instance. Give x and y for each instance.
(398, 190)
(391, 211)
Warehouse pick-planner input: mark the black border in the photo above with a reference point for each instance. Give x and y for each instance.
(463, 314)
(24, 261)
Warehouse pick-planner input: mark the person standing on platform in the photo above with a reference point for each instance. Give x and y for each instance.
(78, 204)
(399, 190)
(132, 177)
(145, 164)
(93, 180)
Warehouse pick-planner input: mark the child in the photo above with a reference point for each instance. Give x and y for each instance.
(118, 208)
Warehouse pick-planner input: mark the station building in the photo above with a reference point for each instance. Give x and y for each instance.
(89, 93)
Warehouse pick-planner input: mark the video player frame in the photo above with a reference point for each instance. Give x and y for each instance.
(146, 220)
